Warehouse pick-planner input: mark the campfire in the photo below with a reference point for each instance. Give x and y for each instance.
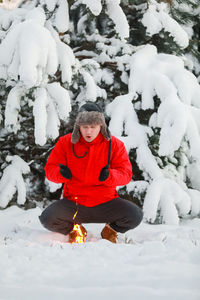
(78, 234)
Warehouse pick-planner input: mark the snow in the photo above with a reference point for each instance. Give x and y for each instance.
(193, 171)
(66, 56)
(81, 24)
(149, 164)
(51, 103)
(124, 119)
(35, 55)
(94, 6)
(195, 196)
(61, 9)
(117, 15)
(13, 108)
(90, 86)
(61, 99)
(52, 185)
(50, 4)
(157, 18)
(167, 195)
(114, 12)
(162, 263)
(29, 39)
(12, 181)
(164, 75)
(62, 16)
(9, 18)
(40, 116)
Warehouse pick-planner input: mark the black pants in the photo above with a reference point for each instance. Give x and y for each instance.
(120, 214)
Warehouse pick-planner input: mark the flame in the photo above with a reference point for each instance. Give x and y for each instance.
(80, 237)
(78, 234)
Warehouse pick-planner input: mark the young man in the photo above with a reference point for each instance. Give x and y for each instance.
(91, 163)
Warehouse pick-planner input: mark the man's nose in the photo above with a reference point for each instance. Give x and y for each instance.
(88, 131)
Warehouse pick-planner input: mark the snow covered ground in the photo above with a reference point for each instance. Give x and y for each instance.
(162, 263)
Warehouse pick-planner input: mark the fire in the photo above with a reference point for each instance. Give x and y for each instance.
(78, 234)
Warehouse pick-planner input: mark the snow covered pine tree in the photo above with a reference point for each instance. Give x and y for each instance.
(139, 59)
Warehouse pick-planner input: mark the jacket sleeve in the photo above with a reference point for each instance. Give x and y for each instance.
(52, 169)
(120, 171)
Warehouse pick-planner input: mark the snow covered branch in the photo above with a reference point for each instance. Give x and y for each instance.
(113, 11)
(169, 198)
(124, 122)
(12, 181)
(32, 50)
(162, 76)
(32, 57)
(157, 18)
(52, 104)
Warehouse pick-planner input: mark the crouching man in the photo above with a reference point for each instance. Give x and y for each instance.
(91, 163)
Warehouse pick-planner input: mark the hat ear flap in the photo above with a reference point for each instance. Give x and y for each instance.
(75, 134)
(105, 132)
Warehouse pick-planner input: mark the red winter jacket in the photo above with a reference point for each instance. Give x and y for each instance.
(85, 188)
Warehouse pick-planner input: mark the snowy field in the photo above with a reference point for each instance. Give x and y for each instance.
(162, 263)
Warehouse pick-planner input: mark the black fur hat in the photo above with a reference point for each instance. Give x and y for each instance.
(89, 113)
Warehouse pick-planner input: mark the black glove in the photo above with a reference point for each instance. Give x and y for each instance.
(65, 171)
(104, 174)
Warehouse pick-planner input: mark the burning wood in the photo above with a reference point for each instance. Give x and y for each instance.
(78, 234)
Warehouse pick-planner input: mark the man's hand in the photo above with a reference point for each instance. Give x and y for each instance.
(65, 171)
(104, 174)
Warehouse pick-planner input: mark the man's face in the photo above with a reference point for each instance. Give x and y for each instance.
(90, 132)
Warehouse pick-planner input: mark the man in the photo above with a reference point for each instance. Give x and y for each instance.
(91, 163)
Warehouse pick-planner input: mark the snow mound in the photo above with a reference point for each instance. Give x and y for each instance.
(162, 263)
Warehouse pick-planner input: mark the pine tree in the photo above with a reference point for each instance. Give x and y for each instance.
(136, 58)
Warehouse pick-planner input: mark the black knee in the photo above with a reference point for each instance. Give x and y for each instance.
(45, 220)
(131, 217)
(135, 218)
(55, 223)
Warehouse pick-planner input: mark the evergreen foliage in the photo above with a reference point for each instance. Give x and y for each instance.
(128, 56)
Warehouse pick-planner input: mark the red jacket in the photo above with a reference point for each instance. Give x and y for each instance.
(84, 187)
